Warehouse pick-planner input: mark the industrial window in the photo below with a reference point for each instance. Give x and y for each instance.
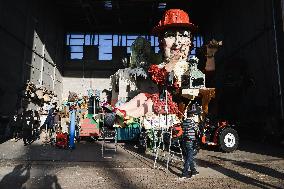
(197, 42)
(75, 43)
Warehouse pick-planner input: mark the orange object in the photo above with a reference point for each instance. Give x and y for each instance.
(89, 128)
(174, 18)
(203, 139)
(207, 94)
(177, 131)
(61, 140)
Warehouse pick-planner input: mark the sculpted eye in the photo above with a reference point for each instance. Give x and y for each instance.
(185, 34)
(169, 34)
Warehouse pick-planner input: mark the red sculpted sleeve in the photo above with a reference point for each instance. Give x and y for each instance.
(158, 75)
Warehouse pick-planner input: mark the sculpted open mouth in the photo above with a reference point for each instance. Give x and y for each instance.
(175, 50)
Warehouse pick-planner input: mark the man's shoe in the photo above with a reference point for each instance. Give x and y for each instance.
(185, 176)
(194, 173)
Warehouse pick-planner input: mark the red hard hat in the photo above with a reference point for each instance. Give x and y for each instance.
(174, 18)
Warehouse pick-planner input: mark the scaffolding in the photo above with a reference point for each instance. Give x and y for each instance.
(164, 149)
(168, 148)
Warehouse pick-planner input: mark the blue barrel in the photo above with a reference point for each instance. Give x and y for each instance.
(72, 130)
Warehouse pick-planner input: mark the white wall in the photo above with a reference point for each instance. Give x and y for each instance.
(81, 85)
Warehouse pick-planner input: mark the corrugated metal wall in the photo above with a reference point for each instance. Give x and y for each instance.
(249, 56)
(31, 48)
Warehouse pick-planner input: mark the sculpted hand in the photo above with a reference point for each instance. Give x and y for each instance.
(212, 47)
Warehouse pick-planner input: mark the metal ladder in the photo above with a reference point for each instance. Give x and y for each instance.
(167, 152)
(176, 155)
(108, 136)
(169, 155)
(160, 148)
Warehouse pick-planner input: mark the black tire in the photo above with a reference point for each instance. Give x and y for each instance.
(228, 140)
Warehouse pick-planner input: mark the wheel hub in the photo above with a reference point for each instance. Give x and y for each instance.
(229, 140)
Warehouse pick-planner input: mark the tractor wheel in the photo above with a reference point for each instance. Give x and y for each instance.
(228, 140)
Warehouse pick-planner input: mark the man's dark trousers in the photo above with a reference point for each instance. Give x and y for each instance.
(189, 162)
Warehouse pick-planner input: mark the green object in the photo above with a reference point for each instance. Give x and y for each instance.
(197, 78)
(92, 120)
(129, 133)
(135, 125)
(140, 53)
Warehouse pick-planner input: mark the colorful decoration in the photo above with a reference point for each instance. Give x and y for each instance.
(158, 75)
(89, 126)
(167, 73)
(120, 113)
(107, 106)
(61, 140)
(159, 121)
(159, 105)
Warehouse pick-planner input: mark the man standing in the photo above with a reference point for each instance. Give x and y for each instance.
(27, 127)
(189, 141)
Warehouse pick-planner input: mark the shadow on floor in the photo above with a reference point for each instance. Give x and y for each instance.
(237, 176)
(84, 154)
(254, 167)
(16, 178)
(19, 178)
(176, 169)
(261, 148)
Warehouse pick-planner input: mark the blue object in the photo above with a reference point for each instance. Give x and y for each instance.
(72, 130)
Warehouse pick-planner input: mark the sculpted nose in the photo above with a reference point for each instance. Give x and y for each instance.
(177, 40)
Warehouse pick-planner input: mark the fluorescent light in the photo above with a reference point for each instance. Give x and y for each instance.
(108, 5)
(162, 5)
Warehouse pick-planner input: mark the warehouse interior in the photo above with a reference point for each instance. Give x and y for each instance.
(73, 45)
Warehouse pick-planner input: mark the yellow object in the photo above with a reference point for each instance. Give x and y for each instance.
(206, 94)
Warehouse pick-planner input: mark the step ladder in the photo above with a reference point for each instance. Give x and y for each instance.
(159, 148)
(109, 136)
(176, 151)
(173, 144)
(168, 148)
(165, 144)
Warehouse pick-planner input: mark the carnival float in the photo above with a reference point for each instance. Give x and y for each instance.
(156, 91)
(153, 94)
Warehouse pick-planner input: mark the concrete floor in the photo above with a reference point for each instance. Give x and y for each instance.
(44, 166)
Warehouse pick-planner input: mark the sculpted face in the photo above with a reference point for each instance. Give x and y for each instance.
(176, 45)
